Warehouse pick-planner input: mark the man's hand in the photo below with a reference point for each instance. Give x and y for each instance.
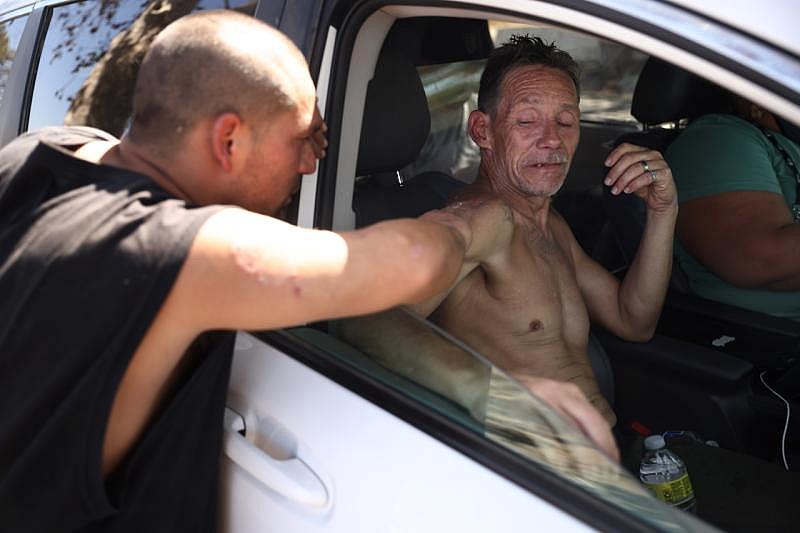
(318, 141)
(568, 401)
(643, 172)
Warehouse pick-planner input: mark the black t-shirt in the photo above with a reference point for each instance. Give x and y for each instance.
(88, 253)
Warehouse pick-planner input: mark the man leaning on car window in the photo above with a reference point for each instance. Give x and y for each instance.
(127, 264)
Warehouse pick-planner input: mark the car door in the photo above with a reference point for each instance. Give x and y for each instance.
(320, 436)
(353, 404)
(316, 455)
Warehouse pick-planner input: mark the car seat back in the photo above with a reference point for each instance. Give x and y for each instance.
(397, 118)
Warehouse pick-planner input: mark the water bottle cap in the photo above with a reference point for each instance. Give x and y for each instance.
(654, 442)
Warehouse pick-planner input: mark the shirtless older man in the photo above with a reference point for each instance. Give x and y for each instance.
(527, 303)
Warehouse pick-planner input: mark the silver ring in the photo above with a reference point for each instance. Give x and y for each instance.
(647, 169)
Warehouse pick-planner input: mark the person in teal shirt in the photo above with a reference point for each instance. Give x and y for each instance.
(738, 240)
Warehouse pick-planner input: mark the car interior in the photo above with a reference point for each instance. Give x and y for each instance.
(685, 378)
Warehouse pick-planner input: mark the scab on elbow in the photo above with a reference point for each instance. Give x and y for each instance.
(247, 261)
(250, 262)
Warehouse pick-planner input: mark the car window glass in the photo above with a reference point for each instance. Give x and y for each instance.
(88, 63)
(418, 359)
(10, 34)
(608, 76)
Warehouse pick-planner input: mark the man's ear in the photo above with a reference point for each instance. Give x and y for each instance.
(478, 127)
(229, 143)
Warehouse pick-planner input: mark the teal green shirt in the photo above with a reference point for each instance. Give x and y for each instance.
(724, 153)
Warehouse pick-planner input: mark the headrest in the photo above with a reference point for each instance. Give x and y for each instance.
(666, 93)
(437, 40)
(396, 117)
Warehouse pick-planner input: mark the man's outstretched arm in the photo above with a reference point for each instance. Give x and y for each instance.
(248, 271)
(631, 309)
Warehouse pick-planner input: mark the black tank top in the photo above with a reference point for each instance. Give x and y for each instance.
(88, 254)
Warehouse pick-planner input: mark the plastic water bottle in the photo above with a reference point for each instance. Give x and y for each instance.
(664, 473)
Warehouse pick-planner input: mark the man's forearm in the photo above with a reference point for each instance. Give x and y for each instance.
(644, 288)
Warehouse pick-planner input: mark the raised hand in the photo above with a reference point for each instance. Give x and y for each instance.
(643, 172)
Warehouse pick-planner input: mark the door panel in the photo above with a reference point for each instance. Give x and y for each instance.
(378, 472)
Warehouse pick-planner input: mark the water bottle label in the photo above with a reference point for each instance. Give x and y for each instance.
(673, 492)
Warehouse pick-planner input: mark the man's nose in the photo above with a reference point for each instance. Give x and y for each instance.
(550, 137)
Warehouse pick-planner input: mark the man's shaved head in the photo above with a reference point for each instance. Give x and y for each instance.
(210, 63)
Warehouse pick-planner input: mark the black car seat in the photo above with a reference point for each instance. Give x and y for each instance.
(395, 126)
(397, 119)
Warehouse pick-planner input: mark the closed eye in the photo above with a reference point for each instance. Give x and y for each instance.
(566, 119)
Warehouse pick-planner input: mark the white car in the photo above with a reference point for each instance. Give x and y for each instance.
(320, 436)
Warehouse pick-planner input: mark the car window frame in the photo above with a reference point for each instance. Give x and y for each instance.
(667, 45)
(15, 104)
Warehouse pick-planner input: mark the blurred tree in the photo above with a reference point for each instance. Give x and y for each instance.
(104, 100)
(6, 54)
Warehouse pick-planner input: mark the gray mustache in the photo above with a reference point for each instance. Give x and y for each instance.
(550, 159)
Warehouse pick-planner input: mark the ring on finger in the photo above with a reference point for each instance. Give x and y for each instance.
(647, 168)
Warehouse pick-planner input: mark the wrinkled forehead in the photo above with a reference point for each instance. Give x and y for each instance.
(537, 84)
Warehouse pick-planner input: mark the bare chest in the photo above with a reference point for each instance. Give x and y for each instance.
(531, 296)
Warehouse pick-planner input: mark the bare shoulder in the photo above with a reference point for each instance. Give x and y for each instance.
(566, 240)
(476, 211)
(474, 198)
(484, 208)
(561, 230)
